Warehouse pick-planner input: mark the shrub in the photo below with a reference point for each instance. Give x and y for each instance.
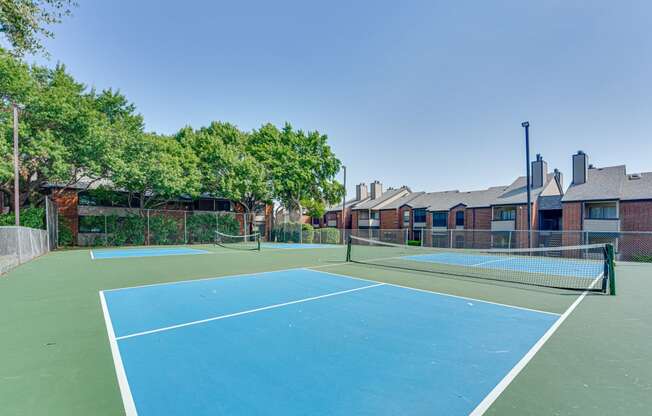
(129, 230)
(163, 230)
(308, 233)
(287, 232)
(29, 217)
(414, 243)
(642, 258)
(201, 227)
(330, 236)
(65, 233)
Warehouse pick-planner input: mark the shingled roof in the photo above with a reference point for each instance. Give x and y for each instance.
(610, 183)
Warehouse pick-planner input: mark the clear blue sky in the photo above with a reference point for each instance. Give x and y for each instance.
(428, 94)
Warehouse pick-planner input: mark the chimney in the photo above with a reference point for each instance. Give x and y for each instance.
(580, 167)
(376, 189)
(560, 178)
(361, 191)
(539, 172)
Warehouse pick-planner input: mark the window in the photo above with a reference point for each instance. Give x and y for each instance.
(91, 224)
(602, 211)
(103, 198)
(375, 215)
(440, 219)
(419, 215)
(459, 219)
(406, 217)
(504, 213)
(363, 215)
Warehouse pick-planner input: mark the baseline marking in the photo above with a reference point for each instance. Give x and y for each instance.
(123, 384)
(231, 315)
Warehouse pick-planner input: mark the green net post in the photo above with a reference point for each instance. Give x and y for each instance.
(612, 269)
(348, 250)
(258, 242)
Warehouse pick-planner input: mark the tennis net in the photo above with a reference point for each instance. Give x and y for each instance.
(587, 267)
(238, 242)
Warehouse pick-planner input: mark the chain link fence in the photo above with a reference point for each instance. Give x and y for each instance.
(127, 226)
(19, 245)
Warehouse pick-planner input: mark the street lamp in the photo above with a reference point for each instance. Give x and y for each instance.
(526, 126)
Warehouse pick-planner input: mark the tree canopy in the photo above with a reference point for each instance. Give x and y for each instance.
(25, 22)
(73, 136)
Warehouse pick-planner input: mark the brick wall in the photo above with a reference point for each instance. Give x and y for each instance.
(453, 213)
(571, 221)
(636, 215)
(354, 220)
(389, 219)
(400, 219)
(67, 201)
(477, 218)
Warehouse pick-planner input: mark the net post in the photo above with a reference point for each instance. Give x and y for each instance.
(348, 250)
(611, 265)
(258, 242)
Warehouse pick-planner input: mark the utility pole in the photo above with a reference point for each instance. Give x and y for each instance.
(526, 125)
(16, 168)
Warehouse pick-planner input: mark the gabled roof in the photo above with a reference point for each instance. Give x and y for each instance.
(348, 204)
(386, 198)
(437, 201)
(611, 182)
(405, 200)
(516, 193)
(483, 198)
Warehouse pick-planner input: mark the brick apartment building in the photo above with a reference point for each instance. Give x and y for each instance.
(601, 202)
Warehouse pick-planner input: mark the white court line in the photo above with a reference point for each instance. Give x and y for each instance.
(432, 292)
(155, 255)
(231, 315)
(506, 381)
(125, 391)
(92, 255)
(490, 261)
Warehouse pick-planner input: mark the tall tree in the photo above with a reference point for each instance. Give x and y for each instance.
(65, 137)
(156, 169)
(300, 165)
(25, 22)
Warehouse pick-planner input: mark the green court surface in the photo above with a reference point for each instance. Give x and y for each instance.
(55, 357)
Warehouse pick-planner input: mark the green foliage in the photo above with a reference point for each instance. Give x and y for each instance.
(642, 258)
(308, 234)
(129, 230)
(330, 236)
(25, 22)
(165, 230)
(301, 166)
(202, 227)
(65, 233)
(29, 217)
(414, 242)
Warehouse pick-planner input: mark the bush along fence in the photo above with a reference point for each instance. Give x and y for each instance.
(150, 227)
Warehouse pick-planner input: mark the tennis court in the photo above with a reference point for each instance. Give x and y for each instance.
(305, 332)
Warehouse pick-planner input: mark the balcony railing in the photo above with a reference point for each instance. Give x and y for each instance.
(601, 225)
(503, 225)
(369, 223)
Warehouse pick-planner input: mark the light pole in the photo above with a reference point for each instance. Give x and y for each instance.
(344, 208)
(526, 125)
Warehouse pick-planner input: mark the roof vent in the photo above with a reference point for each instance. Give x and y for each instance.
(634, 176)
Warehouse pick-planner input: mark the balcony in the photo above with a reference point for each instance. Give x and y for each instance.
(503, 225)
(369, 223)
(601, 225)
(332, 223)
(420, 224)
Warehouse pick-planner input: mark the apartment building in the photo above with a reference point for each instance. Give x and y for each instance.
(371, 213)
(603, 201)
(333, 215)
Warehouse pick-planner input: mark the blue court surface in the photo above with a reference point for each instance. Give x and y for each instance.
(546, 265)
(144, 252)
(298, 245)
(303, 342)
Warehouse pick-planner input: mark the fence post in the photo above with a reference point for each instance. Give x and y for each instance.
(185, 229)
(106, 231)
(148, 231)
